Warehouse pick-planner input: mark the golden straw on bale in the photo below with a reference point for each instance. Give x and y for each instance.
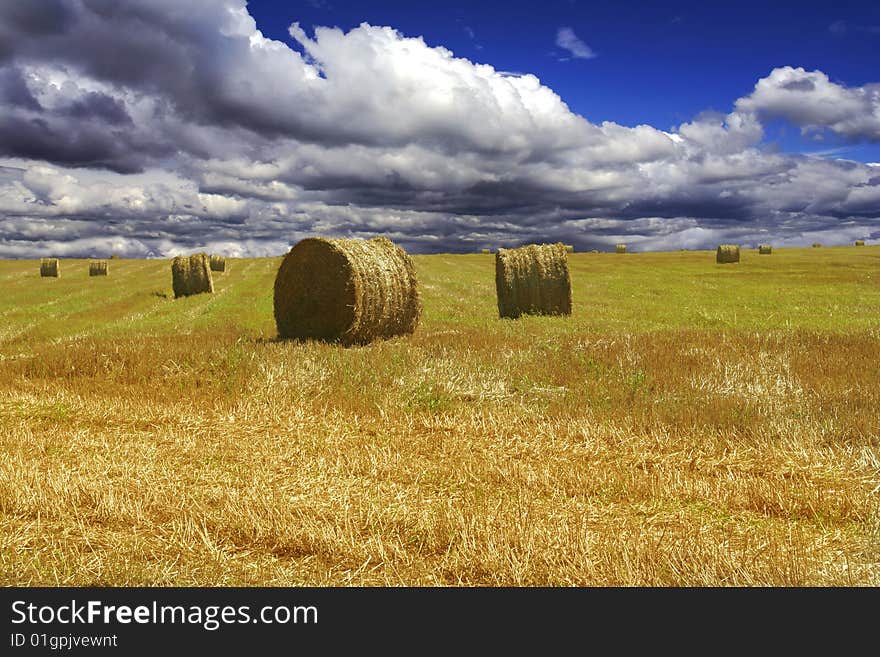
(50, 267)
(349, 291)
(98, 268)
(218, 263)
(727, 253)
(860, 243)
(191, 275)
(765, 249)
(533, 280)
(620, 248)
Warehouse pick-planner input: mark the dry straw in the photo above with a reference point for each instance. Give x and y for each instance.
(620, 248)
(191, 275)
(50, 267)
(218, 263)
(765, 249)
(98, 268)
(346, 290)
(727, 253)
(860, 243)
(533, 280)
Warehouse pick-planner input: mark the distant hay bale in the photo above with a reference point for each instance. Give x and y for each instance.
(349, 291)
(816, 245)
(191, 275)
(860, 243)
(98, 268)
(620, 248)
(569, 248)
(50, 267)
(765, 249)
(218, 263)
(114, 257)
(595, 251)
(485, 250)
(533, 280)
(727, 253)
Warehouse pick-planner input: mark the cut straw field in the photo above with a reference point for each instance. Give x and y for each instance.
(690, 423)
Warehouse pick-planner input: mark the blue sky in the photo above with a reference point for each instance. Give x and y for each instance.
(151, 128)
(659, 63)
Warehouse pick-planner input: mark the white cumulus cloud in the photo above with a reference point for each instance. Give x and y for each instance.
(811, 100)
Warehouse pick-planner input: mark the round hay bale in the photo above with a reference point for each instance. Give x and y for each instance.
(98, 268)
(191, 275)
(349, 291)
(484, 251)
(50, 267)
(620, 248)
(533, 280)
(816, 245)
(765, 249)
(569, 248)
(860, 243)
(218, 263)
(727, 253)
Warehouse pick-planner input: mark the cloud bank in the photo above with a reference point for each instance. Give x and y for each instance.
(150, 129)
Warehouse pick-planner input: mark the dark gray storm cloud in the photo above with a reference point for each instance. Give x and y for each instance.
(152, 127)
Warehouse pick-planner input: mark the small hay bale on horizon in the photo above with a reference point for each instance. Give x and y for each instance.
(816, 245)
(727, 253)
(765, 249)
(114, 256)
(98, 268)
(350, 291)
(859, 243)
(191, 275)
(533, 280)
(569, 248)
(218, 262)
(50, 267)
(485, 251)
(620, 248)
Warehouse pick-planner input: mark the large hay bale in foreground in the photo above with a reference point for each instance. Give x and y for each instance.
(765, 249)
(98, 268)
(727, 253)
(860, 243)
(620, 248)
(533, 280)
(50, 267)
(218, 263)
(349, 291)
(191, 275)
